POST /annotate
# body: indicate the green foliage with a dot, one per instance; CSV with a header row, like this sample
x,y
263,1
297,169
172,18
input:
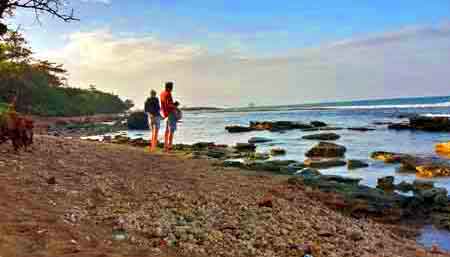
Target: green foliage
x,y
3,107
38,85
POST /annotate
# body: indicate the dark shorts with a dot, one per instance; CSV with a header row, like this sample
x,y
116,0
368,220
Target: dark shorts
x,y
171,123
154,121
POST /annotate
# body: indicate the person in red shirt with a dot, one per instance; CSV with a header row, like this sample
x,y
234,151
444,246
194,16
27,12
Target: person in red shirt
x,y
168,110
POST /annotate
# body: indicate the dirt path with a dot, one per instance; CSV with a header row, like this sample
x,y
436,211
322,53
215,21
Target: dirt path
x,y
68,198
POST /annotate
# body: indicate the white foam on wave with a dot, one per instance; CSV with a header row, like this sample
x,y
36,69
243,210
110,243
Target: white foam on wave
x,y
435,115
387,106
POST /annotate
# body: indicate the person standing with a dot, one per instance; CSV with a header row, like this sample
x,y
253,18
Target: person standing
x,y
168,110
152,108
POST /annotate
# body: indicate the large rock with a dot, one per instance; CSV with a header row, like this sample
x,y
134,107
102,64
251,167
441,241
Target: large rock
x,y
435,196
431,171
256,140
245,147
326,150
389,157
278,125
322,136
361,129
324,163
318,124
238,129
419,185
137,121
356,164
386,183
277,151
430,123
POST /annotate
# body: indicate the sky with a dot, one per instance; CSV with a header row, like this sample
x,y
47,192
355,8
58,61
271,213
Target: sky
x,y
228,53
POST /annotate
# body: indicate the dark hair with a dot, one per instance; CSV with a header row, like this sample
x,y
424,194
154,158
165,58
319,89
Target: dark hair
x,y
176,104
169,85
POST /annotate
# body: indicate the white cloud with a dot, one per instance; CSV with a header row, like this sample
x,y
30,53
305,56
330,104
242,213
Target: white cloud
x,y
412,61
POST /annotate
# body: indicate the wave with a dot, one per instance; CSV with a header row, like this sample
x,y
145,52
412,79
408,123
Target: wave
x,y
435,115
389,106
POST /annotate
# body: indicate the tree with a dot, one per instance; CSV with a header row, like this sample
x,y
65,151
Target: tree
x,y
56,8
129,104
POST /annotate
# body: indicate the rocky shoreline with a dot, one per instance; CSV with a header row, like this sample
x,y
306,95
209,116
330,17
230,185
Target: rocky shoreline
x,y
425,205
78,198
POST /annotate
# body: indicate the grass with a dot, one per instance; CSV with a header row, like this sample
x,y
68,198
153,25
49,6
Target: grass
x,y
3,107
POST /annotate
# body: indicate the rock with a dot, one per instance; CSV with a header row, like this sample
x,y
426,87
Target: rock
x,y
356,164
324,163
230,163
267,201
294,167
328,150
216,153
340,179
238,129
433,124
386,183
245,147
399,126
322,136
389,157
404,187
277,166
107,139
431,171
309,172
355,235
278,125
259,156
318,124
436,196
443,148
51,181
361,129
255,140
330,128
137,121
419,185
277,151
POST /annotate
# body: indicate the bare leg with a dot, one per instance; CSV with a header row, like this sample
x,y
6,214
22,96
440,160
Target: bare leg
x,y
154,139
166,140
170,140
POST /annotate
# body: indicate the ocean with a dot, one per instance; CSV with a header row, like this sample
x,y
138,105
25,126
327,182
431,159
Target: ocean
x,y
210,127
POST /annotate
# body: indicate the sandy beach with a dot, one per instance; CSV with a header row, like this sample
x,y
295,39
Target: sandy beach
x,y
77,198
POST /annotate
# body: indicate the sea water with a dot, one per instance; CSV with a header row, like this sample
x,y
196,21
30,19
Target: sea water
x,y
210,127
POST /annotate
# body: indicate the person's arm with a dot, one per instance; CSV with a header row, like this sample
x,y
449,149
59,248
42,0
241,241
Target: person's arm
x,y
170,104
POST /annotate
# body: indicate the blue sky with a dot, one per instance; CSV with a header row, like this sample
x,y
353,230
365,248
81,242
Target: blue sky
x,y
213,45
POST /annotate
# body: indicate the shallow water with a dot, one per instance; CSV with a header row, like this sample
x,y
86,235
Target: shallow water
x,y
209,127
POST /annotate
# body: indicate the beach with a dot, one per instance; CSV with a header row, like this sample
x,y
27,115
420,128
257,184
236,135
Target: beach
x,y
78,198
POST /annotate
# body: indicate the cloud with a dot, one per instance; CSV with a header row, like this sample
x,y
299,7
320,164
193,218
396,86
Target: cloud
x,y
409,62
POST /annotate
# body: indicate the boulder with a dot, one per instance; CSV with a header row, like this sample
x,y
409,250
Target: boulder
x,y
259,156
137,121
238,129
318,124
324,163
386,183
256,140
361,129
245,147
231,163
330,128
356,164
309,172
327,150
419,185
278,125
277,166
404,187
430,123
322,136
431,171
443,149
216,153
389,157
435,196
294,167
399,126
277,151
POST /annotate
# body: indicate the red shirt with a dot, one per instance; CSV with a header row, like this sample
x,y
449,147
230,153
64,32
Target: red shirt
x,y
166,103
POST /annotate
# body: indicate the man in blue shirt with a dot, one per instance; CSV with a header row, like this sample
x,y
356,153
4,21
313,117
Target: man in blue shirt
x,y
152,108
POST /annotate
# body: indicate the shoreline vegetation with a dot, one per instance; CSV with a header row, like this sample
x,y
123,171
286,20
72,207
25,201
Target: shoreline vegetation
x,y
85,198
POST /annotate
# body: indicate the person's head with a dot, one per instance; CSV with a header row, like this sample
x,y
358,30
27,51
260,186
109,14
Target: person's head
x,y
176,104
169,86
153,93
